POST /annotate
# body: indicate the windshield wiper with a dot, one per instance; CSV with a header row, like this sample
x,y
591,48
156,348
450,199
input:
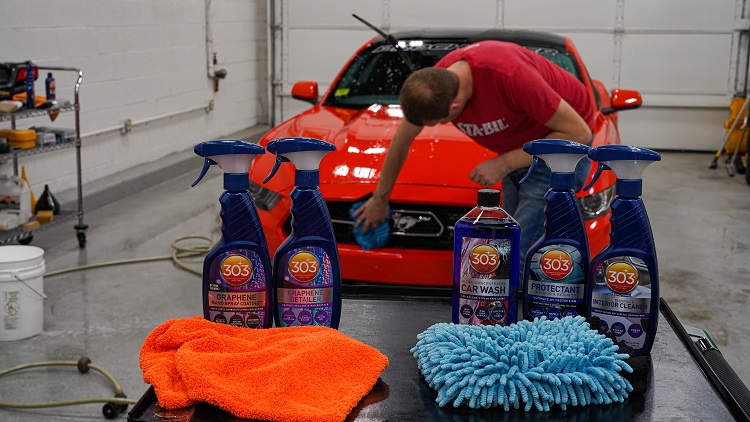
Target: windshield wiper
x,y
392,41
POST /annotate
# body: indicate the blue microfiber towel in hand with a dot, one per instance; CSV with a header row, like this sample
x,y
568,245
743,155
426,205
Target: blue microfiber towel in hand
x,y
373,238
540,363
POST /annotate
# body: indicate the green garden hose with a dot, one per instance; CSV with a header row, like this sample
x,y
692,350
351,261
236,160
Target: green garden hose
x,y
113,405
119,403
178,252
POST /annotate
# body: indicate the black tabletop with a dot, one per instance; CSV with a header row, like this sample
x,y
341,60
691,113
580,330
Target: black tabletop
x,y
674,387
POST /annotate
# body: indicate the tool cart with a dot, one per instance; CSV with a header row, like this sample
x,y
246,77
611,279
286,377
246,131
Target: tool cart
x,y
25,236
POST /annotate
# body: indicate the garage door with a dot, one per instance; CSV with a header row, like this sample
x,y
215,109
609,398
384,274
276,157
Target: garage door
x,y
684,56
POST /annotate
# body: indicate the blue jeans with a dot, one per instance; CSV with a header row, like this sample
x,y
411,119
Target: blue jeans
x,y
526,202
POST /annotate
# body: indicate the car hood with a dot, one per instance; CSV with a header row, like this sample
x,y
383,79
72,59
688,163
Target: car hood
x,y
439,156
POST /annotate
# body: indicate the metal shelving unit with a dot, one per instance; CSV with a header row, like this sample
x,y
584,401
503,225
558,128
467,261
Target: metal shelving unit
x,y
18,234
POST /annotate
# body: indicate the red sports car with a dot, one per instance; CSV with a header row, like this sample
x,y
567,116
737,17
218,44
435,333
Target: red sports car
x,y
360,113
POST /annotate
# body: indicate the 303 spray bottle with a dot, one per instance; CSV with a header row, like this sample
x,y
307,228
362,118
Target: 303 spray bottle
x,y
237,270
306,269
624,277
557,264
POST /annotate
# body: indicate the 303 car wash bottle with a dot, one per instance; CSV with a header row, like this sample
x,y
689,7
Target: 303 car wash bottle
x,y
237,270
486,254
624,277
556,266
306,269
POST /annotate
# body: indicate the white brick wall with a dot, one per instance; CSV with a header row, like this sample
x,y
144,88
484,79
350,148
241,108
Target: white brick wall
x,y
140,59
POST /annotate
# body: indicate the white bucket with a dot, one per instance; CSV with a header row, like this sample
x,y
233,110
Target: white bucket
x,y
21,291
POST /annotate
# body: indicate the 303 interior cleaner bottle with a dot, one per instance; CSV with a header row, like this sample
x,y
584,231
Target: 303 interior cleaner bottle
x,y
486,253
624,277
237,270
306,269
554,280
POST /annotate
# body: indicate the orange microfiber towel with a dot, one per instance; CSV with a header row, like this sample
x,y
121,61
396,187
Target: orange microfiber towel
x,y
280,374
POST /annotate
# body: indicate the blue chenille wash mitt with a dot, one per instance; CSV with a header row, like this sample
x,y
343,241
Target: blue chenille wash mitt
x,y
540,363
373,238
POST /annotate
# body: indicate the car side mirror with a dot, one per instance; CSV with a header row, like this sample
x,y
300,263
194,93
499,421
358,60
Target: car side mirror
x,y
623,99
306,91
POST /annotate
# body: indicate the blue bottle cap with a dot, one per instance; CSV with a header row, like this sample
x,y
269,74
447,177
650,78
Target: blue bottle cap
x,y
561,157
304,153
628,163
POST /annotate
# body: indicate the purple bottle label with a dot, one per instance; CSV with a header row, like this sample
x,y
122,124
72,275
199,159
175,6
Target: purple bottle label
x,y
237,289
305,292
556,282
484,286
622,298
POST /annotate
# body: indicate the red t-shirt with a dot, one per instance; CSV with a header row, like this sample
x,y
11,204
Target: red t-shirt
x,y
515,92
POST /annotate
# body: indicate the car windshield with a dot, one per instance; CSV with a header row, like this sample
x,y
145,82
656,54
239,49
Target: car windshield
x,y
375,76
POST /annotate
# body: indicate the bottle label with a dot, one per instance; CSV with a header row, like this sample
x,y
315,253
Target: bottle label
x,y
484,283
237,289
305,287
556,282
622,298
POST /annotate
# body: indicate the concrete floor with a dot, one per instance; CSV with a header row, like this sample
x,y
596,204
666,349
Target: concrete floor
x,y
700,218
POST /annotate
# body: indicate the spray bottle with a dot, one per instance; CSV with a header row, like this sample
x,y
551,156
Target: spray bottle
x,y
486,254
237,270
624,277
554,280
30,78
306,269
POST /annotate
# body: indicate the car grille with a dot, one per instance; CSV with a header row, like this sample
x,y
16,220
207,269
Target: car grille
x,y
413,226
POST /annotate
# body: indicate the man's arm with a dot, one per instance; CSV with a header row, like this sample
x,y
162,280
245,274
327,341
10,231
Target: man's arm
x,y
565,123
374,211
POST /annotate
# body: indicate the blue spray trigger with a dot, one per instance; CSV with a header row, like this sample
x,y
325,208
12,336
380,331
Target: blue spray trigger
x,y
598,173
208,163
279,159
531,170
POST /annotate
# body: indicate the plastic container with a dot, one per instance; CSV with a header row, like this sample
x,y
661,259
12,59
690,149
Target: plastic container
x,y
306,269
486,255
49,87
624,277
20,138
554,281
21,291
237,270
15,202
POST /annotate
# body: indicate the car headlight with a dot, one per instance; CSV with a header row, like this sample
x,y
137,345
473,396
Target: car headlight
x,y
264,199
594,205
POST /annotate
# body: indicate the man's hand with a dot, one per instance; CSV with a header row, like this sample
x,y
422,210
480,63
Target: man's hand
x,y
372,213
489,172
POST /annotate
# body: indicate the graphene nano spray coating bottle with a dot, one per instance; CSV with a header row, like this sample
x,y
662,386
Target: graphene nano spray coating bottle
x,y
237,270
486,253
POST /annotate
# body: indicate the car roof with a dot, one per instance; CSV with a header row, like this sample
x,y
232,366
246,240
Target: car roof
x,y
523,37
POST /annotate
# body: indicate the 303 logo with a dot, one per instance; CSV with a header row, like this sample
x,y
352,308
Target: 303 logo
x,y
556,264
621,277
484,259
304,266
236,270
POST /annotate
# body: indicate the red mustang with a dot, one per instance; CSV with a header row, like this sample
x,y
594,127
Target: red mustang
x,y
360,113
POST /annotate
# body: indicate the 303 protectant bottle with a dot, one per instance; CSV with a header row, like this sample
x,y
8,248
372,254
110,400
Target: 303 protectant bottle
x,y
306,269
486,254
554,282
624,277
237,270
